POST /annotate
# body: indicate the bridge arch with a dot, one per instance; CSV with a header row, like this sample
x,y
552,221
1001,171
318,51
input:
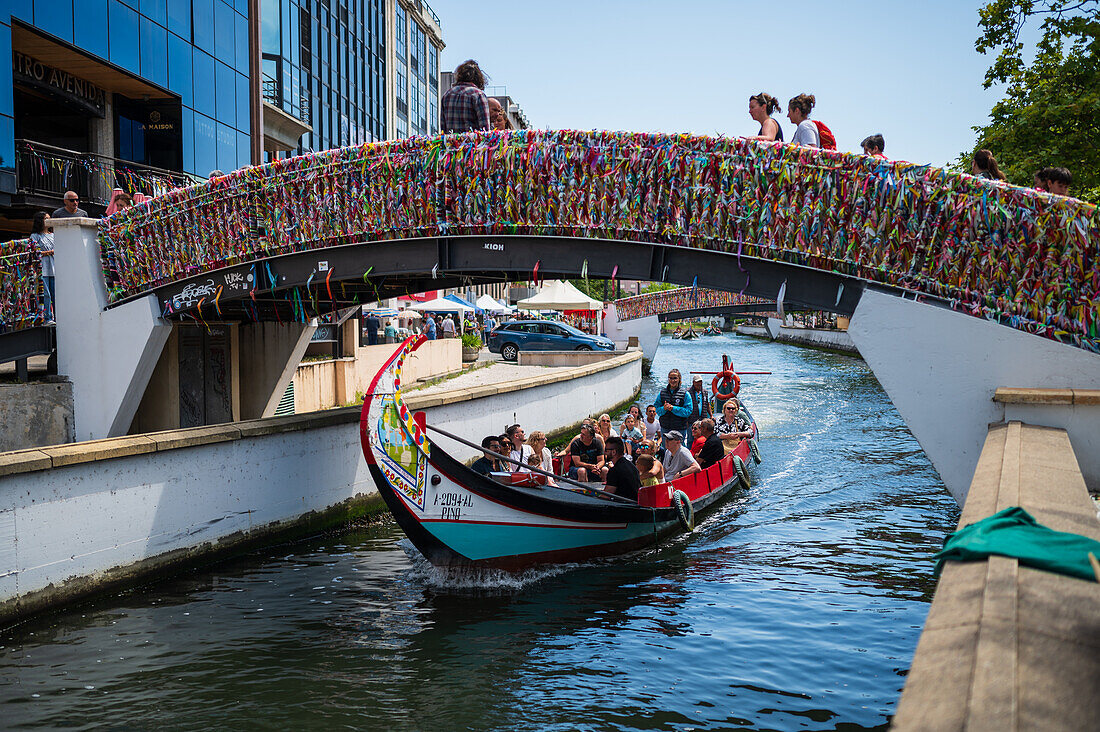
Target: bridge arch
x,y
730,214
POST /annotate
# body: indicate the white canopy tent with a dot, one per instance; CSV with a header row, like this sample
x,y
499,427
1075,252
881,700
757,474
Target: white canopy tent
x,y
559,295
443,305
490,305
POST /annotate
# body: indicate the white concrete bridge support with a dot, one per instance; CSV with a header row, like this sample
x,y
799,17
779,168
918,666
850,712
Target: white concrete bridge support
x,y
941,368
108,355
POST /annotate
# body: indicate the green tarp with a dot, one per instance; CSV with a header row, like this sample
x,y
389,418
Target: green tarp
x,y
1015,533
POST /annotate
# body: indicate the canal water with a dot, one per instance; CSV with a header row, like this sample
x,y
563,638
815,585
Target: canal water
x,y
798,605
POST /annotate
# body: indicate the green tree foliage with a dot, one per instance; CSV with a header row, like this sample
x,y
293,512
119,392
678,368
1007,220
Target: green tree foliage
x,y
595,289
1050,114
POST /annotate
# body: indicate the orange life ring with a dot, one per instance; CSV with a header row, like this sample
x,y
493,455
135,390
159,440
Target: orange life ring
x,y
726,376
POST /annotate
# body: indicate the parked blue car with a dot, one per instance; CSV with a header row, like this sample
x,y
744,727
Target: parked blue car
x,y
541,335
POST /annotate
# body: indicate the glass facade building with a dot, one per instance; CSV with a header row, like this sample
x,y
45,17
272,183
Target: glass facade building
x,y
324,62
97,85
416,45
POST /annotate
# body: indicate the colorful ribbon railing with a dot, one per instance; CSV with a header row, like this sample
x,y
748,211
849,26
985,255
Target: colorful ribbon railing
x,y
20,285
990,249
681,299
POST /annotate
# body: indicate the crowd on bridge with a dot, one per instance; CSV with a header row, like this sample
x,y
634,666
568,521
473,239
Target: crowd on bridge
x,y
683,431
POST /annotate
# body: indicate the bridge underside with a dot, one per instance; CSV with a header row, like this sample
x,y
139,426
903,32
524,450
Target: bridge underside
x,y
761,309
298,286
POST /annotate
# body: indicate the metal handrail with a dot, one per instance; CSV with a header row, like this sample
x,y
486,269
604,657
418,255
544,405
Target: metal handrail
x,y
50,170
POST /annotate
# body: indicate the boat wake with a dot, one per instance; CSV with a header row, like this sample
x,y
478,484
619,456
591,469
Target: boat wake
x,y
482,580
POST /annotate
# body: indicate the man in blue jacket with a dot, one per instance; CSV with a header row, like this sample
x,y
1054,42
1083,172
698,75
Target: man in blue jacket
x,y
673,404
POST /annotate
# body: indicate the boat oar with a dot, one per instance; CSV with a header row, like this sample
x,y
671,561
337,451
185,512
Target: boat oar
x,y
588,491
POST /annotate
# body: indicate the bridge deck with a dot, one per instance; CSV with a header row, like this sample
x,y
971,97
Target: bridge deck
x,y
1007,647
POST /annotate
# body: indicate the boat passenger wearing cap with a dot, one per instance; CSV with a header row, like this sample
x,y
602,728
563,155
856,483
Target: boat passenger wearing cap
x,y
700,401
679,461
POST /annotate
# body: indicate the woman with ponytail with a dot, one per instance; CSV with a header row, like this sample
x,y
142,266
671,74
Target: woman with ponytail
x,y
798,112
984,165
761,107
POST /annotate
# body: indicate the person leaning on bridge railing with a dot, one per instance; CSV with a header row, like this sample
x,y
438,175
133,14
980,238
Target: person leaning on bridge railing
x,y
43,239
465,106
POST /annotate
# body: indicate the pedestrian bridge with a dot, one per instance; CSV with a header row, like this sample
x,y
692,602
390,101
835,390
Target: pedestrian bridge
x,y
920,257
690,302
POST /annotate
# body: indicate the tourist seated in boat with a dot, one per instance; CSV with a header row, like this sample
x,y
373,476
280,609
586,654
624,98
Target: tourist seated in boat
x,y
680,461
697,439
517,449
673,403
651,425
587,454
488,463
712,450
604,428
622,477
657,452
540,454
732,426
635,411
647,471
632,435
566,452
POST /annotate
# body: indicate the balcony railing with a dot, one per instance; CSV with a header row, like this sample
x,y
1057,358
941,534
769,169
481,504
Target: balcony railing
x,y
273,94
50,171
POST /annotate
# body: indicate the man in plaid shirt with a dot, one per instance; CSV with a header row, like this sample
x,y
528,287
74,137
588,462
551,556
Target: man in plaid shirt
x,y
465,106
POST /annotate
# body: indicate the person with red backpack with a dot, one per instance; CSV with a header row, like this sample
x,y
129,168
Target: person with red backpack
x,y
809,132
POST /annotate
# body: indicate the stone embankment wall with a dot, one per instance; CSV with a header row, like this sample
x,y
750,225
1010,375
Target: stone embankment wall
x,y
835,340
78,518
39,413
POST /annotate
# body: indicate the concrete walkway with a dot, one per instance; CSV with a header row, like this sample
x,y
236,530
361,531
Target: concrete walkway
x,y
1007,647
497,372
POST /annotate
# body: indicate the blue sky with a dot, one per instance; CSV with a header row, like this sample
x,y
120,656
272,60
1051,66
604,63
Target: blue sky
x,y
905,69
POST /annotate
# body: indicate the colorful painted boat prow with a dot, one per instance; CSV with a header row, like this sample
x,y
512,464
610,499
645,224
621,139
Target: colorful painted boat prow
x,y
457,517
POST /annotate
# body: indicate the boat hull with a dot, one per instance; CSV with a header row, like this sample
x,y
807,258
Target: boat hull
x,y
457,517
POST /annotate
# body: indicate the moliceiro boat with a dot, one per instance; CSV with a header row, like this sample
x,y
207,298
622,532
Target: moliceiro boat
x,y
457,517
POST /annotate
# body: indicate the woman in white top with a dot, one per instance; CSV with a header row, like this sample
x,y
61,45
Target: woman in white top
x,y
798,112
537,443
604,428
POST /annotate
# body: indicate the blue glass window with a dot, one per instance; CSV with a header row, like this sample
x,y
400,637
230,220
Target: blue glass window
x,y
225,28
179,68
55,16
203,83
242,7
206,145
188,140
92,37
227,148
203,14
226,106
7,142
124,36
243,115
244,150
270,33
179,18
154,52
241,43
5,79
155,10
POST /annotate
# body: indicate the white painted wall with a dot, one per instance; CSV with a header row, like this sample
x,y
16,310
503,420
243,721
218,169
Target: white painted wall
x,y
73,523
108,355
81,520
648,331
941,368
